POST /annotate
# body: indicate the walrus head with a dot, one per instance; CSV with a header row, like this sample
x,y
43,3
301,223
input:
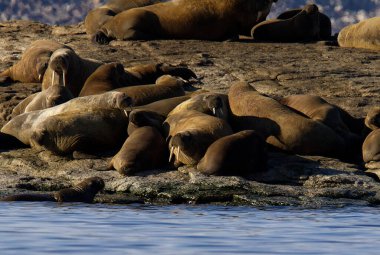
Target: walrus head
x,y
59,63
41,66
141,118
122,101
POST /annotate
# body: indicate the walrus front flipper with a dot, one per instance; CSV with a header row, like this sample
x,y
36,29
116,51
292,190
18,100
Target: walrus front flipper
x,y
84,192
30,198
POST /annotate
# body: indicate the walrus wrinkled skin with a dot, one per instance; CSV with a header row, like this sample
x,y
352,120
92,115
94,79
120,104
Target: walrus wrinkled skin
x,y
33,63
365,34
112,76
144,149
69,69
280,126
94,131
304,26
190,133
242,153
24,124
371,145
186,19
50,97
98,16
84,192
166,86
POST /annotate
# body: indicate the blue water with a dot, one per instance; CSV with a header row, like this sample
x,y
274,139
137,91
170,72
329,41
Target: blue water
x,y
48,228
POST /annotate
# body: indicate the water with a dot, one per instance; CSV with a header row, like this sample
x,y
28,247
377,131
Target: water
x,y
48,228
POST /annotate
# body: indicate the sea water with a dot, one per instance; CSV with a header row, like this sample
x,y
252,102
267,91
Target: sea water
x,y
50,228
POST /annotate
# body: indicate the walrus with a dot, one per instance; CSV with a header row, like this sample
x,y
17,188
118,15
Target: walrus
x,y
95,131
144,149
23,125
186,19
365,34
190,133
166,86
280,126
304,26
242,153
52,96
98,16
33,63
8,142
371,145
69,69
113,75
84,192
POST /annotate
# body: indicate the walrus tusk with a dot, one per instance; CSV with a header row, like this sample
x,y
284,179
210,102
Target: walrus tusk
x,y
213,110
52,78
39,77
126,114
171,153
64,79
178,151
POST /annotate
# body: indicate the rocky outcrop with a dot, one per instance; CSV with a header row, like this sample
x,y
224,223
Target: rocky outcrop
x,y
347,77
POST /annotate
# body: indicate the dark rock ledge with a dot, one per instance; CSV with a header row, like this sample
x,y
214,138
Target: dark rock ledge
x,y
347,77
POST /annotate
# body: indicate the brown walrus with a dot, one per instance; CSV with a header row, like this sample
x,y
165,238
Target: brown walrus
x,y
304,26
371,145
242,153
282,127
186,19
68,69
144,149
98,16
112,76
84,192
50,97
33,63
23,125
166,86
93,131
365,34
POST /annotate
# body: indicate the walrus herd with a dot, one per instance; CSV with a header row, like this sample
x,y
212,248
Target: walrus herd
x,y
147,118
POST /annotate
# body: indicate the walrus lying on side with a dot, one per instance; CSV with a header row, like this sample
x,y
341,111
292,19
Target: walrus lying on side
x,y
242,153
113,76
303,26
186,19
365,34
24,124
84,192
33,63
50,97
98,16
93,131
282,127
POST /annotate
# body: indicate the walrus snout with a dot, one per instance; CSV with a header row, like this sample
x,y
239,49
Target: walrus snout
x,y
311,8
123,101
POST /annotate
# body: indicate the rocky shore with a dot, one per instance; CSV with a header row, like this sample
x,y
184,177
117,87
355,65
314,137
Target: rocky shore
x,y
349,78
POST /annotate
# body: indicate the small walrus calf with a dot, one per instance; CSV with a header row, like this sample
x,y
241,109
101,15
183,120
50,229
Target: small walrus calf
x,y
242,153
186,19
84,192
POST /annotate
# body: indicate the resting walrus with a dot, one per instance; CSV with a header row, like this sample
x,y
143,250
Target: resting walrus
x,y
33,63
282,127
365,34
186,19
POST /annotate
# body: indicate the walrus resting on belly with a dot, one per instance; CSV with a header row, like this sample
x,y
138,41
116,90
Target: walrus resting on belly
x,y
365,34
242,153
33,63
186,19
282,127
84,191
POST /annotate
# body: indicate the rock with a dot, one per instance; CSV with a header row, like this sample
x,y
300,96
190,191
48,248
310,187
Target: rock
x,y
347,77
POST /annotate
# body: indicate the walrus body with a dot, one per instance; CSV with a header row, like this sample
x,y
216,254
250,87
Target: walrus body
x,y
24,124
50,97
186,19
282,127
242,153
191,132
84,192
166,87
304,26
68,69
365,34
92,131
33,63
98,16
144,149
